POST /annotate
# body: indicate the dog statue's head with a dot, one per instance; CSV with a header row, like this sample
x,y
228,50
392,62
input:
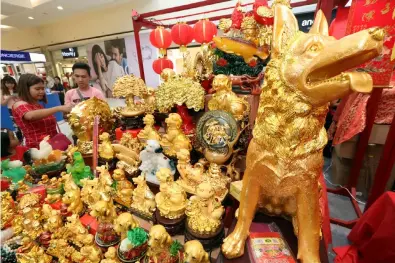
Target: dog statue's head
x,y
194,252
159,239
313,63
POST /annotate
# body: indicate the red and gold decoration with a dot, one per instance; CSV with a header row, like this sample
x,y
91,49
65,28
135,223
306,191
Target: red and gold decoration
x,y
160,38
204,31
182,35
161,63
365,14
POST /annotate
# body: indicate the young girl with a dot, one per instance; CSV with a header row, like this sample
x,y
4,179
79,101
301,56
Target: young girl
x,y
34,120
8,98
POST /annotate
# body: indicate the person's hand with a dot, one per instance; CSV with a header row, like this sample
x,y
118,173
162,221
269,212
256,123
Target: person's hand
x,y
65,108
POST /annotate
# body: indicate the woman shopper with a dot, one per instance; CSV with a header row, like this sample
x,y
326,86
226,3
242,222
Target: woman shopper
x,y
34,120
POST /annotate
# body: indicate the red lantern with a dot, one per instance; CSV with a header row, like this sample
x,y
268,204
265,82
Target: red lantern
x,y
161,63
160,38
182,34
204,31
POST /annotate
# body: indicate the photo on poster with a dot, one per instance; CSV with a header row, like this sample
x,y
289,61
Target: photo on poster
x,y
108,61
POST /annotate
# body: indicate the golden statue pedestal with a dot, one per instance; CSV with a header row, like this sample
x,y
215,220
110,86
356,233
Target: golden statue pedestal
x,y
173,226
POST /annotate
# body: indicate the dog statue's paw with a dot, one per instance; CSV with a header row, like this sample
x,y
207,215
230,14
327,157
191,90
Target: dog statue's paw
x,y
233,246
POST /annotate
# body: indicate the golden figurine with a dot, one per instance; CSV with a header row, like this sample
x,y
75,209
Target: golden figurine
x,y
284,159
129,158
81,120
104,211
54,189
179,90
130,142
204,211
105,148
225,99
35,255
52,217
123,188
249,28
31,210
130,86
143,198
61,249
191,175
89,193
73,231
90,252
149,132
159,242
195,253
72,198
111,256
123,223
7,209
174,139
172,199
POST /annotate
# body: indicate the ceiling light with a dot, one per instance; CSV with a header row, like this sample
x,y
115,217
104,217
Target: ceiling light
x,y
60,7
4,26
30,17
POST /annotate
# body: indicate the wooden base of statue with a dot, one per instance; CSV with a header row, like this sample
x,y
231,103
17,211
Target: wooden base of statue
x,y
173,226
209,241
88,159
138,213
135,122
112,163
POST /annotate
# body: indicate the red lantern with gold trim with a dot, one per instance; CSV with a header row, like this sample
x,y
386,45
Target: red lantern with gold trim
x,y
160,64
160,38
204,31
182,34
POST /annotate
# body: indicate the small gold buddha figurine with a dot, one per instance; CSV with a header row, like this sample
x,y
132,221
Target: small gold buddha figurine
x,y
111,256
172,199
105,148
204,211
225,99
191,175
149,132
143,198
174,139
123,223
123,188
159,242
195,253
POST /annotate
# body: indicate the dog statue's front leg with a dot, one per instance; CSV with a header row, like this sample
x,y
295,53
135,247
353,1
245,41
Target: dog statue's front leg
x,y
308,221
233,245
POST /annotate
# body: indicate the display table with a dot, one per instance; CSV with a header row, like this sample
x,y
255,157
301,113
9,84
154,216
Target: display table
x,y
259,225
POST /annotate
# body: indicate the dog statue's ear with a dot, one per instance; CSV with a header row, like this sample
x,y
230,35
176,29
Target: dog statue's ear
x,y
285,27
320,25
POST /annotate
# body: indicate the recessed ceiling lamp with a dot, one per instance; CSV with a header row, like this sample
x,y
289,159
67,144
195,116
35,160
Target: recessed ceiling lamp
x,y
60,7
30,17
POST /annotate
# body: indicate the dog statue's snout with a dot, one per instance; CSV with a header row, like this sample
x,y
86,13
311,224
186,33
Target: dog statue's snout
x,y
377,33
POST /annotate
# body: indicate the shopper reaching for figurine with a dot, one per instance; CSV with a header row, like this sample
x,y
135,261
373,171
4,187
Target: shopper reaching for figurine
x,y
34,120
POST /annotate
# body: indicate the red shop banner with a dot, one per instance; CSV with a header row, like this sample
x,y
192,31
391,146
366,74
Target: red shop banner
x,y
365,14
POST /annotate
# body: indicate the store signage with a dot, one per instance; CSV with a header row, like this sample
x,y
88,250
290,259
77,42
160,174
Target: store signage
x,y
306,20
14,56
71,52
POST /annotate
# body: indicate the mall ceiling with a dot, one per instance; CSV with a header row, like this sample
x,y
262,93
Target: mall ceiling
x,y
31,13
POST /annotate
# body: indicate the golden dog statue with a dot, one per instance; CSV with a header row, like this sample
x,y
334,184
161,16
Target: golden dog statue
x,y
284,159
194,252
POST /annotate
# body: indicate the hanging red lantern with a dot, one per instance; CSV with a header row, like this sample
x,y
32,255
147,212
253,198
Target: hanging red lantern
x,y
160,64
182,34
204,31
160,38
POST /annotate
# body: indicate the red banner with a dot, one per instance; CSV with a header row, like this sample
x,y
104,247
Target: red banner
x,y
365,14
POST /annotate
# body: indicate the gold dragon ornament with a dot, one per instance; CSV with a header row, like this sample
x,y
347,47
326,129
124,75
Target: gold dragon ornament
x,y
284,159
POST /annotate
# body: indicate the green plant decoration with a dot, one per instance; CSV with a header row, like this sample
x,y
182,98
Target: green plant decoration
x,y
175,247
137,236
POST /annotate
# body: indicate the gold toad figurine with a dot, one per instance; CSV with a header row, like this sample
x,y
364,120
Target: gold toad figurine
x,y
143,199
174,139
105,148
123,223
204,211
172,199
225,99
149,132
124,188
191,175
